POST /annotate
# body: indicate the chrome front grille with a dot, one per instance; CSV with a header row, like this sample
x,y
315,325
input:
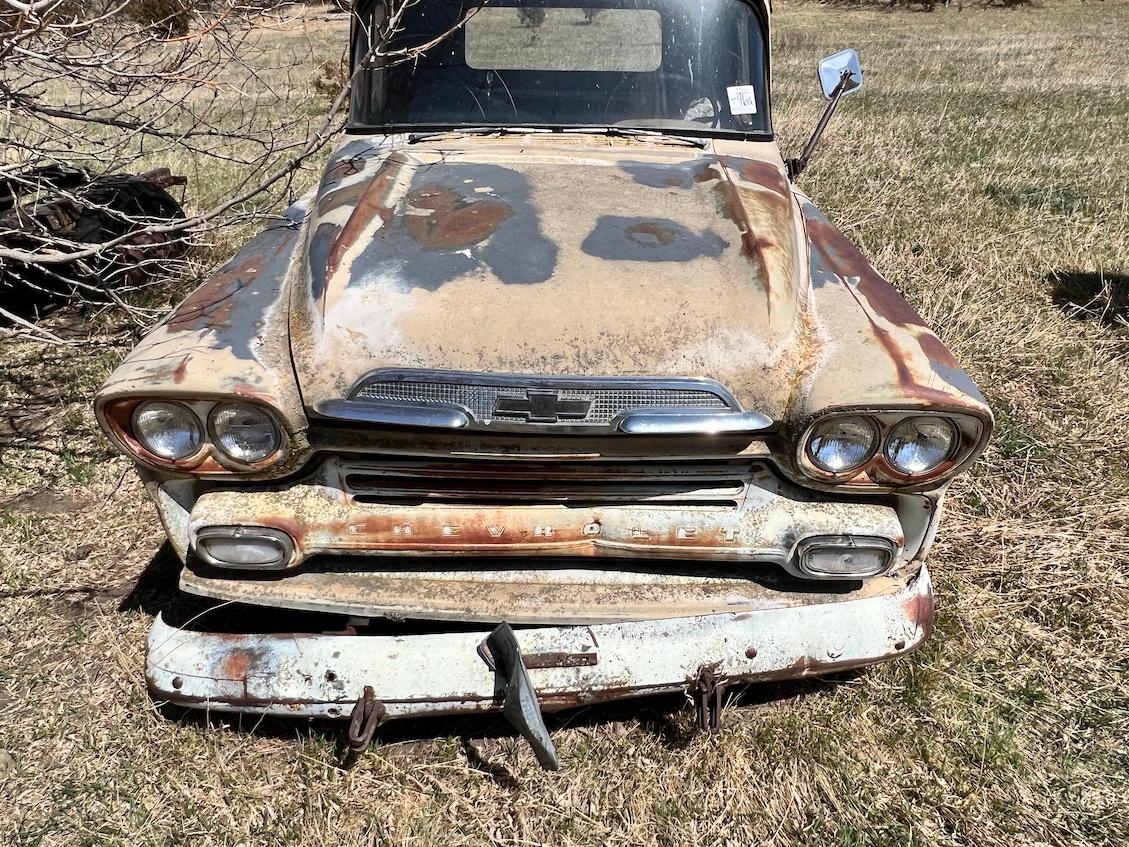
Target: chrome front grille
x,y
541,400
481,400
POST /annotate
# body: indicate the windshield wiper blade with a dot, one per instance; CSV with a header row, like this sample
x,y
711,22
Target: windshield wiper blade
x,y
416,137
615,131
631,132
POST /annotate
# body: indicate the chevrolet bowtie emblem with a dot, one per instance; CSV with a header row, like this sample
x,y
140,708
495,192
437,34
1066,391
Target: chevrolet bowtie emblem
x,y
542,406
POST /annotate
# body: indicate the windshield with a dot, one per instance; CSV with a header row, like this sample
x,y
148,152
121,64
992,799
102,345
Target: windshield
x,y
649,64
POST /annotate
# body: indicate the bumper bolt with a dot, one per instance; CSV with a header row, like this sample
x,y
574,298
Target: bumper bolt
x,y
177,683
751,653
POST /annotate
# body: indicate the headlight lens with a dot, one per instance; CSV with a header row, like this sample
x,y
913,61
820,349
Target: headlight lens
x,y
168,430
837,445
244,432
920,444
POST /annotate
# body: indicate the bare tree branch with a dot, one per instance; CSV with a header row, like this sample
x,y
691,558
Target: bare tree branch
x,y
94,87
33,8
35,331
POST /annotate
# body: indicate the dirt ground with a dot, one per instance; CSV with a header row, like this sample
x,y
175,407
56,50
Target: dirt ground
x,y
984,170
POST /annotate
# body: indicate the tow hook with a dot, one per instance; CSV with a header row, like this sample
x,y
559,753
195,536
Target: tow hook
x,y
707,693
519,700
367,715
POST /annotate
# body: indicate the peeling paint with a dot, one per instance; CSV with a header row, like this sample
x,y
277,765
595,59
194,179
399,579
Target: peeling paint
x,y
435,673
632,240
907,363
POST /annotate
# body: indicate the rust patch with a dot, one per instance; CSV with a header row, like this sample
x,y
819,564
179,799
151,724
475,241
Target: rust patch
x,y
180,371
921,611
373,203
845,260
237,664
455,222
560,660
729,199
707,173
245,390
937,352
537,661
836,259
208,465
346,195
764,174
907,380
886,301
295,529
211,304
344,168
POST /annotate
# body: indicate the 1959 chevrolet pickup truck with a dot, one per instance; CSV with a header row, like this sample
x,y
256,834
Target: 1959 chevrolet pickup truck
x,y
556,390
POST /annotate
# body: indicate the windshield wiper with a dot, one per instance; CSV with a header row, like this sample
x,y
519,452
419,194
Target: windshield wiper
x,y
630,132
614,131
416,137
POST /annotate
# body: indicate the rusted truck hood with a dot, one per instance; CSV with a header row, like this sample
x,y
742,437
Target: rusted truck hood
x,y
567,255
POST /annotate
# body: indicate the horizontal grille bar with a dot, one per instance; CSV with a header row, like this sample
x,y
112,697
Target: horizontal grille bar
x,y
378,489
539,483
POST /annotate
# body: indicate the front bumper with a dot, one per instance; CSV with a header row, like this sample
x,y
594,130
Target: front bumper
x,y
444,673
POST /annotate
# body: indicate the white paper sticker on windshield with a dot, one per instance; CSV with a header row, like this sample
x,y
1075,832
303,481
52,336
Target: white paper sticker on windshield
x,y
742,100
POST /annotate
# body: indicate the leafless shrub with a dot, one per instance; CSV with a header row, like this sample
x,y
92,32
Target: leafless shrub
x,y
123,86
171,16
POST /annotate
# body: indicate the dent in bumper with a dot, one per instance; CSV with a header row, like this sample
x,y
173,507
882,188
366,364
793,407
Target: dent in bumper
x,y
442,673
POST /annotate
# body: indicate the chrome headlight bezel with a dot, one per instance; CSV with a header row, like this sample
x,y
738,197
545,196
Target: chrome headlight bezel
x,y
878,473
118,417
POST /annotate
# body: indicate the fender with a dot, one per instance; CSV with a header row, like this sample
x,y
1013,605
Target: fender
x,y
876,351
229,337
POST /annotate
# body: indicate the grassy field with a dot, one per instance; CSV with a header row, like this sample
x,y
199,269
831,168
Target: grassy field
x,y
984,169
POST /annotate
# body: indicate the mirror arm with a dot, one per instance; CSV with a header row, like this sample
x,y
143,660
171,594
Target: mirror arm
x,y
797,166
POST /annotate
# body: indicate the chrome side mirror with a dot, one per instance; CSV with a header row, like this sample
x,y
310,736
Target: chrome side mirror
x,y
839,74
843,67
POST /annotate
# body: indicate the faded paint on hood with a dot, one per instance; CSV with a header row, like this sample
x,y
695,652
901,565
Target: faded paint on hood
x,y
562,255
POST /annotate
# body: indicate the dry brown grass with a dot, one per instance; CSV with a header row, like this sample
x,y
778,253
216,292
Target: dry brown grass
x,y
984,169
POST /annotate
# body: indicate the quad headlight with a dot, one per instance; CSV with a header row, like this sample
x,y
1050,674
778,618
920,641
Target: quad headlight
x,y
888,447
246,433
838,445
167,430
198,436
920,444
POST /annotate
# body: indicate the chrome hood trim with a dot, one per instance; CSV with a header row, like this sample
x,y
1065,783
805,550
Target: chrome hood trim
x,y
529,404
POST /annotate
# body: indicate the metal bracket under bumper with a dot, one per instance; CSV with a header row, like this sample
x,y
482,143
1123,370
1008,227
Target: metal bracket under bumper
x,y
444,673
